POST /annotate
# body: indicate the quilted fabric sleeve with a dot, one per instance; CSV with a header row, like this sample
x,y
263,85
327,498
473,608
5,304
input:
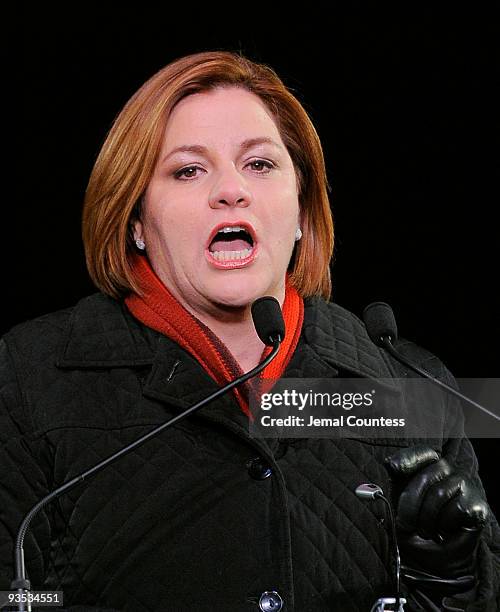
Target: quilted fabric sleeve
x,y
459,452
24,480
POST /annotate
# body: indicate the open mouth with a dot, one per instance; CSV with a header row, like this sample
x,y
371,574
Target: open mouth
x,y
232,246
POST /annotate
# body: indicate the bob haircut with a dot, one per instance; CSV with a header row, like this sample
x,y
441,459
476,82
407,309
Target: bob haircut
x,y
129,155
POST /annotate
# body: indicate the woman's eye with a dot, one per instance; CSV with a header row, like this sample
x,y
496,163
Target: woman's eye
x,y
187,172
260,163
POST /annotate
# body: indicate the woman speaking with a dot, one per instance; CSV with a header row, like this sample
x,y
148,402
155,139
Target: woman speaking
x,y
210,192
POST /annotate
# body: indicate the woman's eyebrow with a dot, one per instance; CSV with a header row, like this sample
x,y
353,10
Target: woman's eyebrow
x,y
244,146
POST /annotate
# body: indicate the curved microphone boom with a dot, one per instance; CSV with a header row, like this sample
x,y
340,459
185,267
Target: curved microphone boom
x,y
381,327
270,327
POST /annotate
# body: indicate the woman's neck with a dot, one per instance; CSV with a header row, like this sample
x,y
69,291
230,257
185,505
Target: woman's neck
x,y
233,326
239,336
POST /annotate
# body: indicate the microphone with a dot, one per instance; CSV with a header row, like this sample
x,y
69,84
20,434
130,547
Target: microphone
x,y
380,322
372,492
270,327
268,319
381,327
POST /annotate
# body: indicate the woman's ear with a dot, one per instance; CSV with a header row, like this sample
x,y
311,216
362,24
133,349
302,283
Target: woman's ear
x,y
135,223
137,230
299,223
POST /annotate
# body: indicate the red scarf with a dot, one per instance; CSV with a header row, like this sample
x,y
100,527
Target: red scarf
x,y
159,310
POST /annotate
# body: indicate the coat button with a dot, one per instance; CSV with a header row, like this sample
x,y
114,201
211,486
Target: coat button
x,y
270,601
258,469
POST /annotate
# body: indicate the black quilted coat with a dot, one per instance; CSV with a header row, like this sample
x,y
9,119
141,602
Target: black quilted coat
x,y
202,517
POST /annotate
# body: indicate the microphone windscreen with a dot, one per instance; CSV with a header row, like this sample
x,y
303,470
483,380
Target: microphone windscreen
x,y
268,319
379,320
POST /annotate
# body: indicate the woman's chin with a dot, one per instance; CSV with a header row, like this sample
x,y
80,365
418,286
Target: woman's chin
x,y
235,292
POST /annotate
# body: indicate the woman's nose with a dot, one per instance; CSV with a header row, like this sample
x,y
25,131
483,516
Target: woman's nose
x,y
230,190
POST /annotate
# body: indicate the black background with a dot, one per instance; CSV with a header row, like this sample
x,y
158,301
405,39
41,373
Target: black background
x,y
405,106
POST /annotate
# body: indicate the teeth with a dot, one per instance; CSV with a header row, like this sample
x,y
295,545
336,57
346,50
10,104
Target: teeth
x,y
234,228
231,255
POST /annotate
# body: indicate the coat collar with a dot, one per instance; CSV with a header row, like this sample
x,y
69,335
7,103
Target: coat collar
x,y
102,333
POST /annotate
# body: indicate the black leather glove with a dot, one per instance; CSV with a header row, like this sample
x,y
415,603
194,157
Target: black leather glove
x,y
440,516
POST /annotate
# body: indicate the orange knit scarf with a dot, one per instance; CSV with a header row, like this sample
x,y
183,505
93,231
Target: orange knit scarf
x,y
159,310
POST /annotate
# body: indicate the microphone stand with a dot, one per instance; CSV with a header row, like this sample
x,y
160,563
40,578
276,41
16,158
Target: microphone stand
x,y
370,492
20,583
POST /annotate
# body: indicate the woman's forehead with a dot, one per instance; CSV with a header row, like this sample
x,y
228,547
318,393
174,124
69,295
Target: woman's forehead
x,y
221,113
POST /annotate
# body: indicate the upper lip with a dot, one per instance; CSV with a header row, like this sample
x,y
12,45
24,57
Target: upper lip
x,y
243,224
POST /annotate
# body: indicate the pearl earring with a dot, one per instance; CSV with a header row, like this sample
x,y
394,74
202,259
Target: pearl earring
x,y
140,244
298,234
